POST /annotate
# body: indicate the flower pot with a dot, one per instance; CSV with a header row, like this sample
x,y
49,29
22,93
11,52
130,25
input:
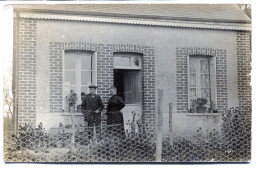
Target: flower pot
x,y
215,111
192,110
201,109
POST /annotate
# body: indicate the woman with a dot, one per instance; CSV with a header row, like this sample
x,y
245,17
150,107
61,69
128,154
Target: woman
x,y
115,118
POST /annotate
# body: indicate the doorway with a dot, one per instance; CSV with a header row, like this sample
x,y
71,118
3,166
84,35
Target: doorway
x,y
129,86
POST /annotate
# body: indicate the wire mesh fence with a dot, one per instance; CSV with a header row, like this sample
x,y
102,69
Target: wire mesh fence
x,y
86,144
37,146
231,144
111,144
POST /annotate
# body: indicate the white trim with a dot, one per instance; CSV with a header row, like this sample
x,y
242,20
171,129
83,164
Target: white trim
x,y
134,21
188,81
63,80
125,67
78,76
213,81
69,114
94,68
136,104
203,114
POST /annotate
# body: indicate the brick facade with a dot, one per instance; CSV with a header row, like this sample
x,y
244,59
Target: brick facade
x,y
105,78
182,76
27,72
243,70
55,76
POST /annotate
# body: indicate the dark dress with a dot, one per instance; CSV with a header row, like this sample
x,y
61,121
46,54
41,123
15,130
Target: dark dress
x,y
115,120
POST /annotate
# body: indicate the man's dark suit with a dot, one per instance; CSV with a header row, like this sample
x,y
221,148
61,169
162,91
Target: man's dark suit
x,y
91,103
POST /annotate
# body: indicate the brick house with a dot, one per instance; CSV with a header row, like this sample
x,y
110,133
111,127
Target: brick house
x,y
188,51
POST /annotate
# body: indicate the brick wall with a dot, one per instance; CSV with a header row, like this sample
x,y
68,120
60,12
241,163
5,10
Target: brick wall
x,y
27,72
105,78
221,73
182,76
244,69
55,77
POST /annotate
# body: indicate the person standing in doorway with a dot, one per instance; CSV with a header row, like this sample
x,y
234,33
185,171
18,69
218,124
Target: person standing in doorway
x,y
92,106
115,120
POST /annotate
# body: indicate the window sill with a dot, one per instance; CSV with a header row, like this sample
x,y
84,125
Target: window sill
x,y
135,104
75,114
127,67
203,114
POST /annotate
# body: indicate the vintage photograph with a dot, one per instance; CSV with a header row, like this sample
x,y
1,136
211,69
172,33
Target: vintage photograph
x,y
102,83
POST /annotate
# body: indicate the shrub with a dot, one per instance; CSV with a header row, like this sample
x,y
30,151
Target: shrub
x,y
236,131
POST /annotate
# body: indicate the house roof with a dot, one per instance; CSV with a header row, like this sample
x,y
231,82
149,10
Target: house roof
x,y
215,13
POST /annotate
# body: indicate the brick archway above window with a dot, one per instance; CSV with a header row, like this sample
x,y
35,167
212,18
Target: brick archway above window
x,y
86,46
201,51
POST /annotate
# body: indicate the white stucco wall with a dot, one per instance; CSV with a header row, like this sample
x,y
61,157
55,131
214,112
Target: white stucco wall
x,y
164,39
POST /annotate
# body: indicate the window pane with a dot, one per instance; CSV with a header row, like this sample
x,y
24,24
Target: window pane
x,y
85,62
66,92
205,80
192,65
70,61
193,80
193,93
205,93
70,77
84,89
122,61
135,62
85,77
204,66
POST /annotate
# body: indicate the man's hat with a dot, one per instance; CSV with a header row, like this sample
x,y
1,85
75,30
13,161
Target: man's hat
x,y
93,86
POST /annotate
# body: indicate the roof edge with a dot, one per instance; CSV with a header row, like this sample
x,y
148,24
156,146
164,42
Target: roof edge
x,y
103,14
138,21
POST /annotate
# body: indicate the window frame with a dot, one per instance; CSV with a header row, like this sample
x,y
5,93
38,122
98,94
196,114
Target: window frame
x,y
93,74
127,55
213,79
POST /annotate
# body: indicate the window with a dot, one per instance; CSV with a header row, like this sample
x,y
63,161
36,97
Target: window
x,y
79,72
202,81
127,61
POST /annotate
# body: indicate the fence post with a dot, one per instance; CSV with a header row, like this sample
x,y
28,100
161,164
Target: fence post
x,y
158,155
170,123
73,128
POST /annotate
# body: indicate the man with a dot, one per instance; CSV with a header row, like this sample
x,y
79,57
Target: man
x,y
92,106
115,120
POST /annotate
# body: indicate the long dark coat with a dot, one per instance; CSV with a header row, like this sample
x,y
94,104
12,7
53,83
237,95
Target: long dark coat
x,y
91,103
115,104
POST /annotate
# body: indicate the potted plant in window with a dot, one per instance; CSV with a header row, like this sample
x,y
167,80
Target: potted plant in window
x,y
193,106
199,105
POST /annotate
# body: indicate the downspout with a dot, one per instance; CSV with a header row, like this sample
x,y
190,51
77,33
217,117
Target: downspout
x,y
16,63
